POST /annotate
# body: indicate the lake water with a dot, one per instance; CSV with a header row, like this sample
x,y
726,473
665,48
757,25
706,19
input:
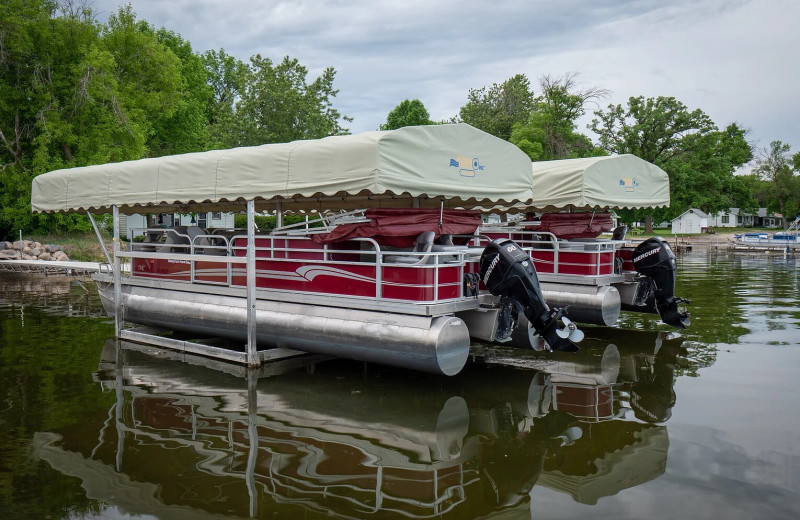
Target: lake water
x,y
642,423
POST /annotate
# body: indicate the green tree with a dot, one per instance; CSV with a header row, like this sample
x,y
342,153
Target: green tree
x,y
550,131
186,129
148,75
50,70
699,158
497,109
74,92
278,105
407,113
777,168
227,77
703,174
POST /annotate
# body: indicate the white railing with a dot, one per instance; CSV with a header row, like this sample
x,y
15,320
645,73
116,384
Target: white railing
x,y
541,244
183,248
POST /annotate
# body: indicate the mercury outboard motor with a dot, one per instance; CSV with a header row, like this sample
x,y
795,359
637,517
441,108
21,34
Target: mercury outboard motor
x,y
654,258
507,271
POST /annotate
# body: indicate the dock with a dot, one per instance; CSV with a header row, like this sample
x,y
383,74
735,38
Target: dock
x,y
785,248
51,267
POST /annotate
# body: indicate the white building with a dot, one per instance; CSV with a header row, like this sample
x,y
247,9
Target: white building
x,y
768,220
734,217
730,218
690,221
133,225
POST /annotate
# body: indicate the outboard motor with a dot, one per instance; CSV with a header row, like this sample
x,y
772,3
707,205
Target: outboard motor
x,y
654,258
506,270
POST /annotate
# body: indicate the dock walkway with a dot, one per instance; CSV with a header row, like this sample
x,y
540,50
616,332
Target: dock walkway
x,y
48,267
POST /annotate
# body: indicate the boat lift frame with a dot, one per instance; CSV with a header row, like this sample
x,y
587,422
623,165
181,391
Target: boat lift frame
x,y
251,357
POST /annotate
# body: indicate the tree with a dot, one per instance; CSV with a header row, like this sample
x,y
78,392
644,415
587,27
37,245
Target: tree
x,y
276,103
497,109
186,129
227,77
549,133
72,93
407,113
699,158
775,166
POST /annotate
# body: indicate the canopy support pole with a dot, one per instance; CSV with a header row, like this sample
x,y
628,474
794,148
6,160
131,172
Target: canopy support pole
x,y
117,275
252,352
99,238
252,433
278,215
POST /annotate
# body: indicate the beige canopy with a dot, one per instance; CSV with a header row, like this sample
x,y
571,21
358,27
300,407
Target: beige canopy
x,y
617,181
412,166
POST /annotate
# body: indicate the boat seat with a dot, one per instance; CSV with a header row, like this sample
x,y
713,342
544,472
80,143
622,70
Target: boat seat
x,y
174,239
619,232
202,245
423,244
446,246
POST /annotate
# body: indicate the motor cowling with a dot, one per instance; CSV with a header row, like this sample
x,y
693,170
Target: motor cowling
x,y
508,271
654,259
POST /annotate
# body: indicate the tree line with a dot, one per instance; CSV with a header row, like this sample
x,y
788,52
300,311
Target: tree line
x,y
76,92
700,158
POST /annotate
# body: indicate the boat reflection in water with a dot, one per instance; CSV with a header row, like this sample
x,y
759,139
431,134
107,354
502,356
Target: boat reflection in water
x,y
319,437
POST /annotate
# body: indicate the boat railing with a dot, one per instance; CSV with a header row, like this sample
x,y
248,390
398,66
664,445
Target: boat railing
x,y
552,255
323,223
398,275
358,267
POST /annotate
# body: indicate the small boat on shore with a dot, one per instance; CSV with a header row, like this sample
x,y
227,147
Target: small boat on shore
x,y
779,240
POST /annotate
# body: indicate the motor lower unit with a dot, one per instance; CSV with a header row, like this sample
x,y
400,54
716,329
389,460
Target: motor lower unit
x,y
654,259
507,271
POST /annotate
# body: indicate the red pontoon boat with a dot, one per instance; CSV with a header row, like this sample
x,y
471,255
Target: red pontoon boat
x,y
596,276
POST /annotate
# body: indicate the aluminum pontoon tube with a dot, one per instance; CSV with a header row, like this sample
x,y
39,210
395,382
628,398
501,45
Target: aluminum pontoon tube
x,y
599,305
438,344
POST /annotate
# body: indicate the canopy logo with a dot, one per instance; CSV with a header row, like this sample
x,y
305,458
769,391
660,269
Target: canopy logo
x,y
466,166
629,183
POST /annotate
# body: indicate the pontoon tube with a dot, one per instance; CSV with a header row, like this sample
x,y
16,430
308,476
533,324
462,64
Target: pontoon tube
x,y
438,344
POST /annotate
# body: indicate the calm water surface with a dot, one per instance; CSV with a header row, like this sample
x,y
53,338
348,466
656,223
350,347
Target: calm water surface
x,y
643,423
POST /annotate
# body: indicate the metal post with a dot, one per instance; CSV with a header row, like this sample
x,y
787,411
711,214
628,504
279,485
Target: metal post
x,y
278,215
99,238
118,391
252,433
117,276
252,353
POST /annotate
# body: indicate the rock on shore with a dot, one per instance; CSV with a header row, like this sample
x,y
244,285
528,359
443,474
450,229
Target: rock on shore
x,y
31,250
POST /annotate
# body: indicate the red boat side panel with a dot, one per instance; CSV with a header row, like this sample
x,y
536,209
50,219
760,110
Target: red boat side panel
x,y
353,280
212,272
626,253
586,263
162,268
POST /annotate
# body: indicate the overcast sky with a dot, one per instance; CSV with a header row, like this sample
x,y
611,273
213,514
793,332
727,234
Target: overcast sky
x,y
737,60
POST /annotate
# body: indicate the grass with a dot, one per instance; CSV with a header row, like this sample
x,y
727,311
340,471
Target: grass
x,y
80,247
718,230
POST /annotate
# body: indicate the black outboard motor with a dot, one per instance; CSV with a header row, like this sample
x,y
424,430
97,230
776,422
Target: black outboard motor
x,y
654,258
506,270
